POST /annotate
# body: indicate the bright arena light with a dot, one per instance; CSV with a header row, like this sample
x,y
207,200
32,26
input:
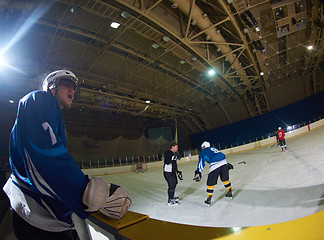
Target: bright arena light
x,y
5,63
211,72
28,23
289,128
114,24
236,229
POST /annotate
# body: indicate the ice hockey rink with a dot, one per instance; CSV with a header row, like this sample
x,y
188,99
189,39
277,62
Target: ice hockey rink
x,y
272,187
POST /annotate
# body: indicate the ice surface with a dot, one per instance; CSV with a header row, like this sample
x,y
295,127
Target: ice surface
x,y
272,187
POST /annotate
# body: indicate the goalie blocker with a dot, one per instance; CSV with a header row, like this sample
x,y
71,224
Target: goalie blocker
x,y
110,199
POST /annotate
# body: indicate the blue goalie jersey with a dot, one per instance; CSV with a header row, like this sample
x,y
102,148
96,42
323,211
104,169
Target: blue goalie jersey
x,y
46,184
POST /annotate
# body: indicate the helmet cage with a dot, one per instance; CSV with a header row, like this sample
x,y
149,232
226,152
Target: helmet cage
x,y
57,81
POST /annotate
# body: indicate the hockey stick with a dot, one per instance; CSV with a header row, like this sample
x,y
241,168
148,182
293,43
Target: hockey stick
x,y
272,145
230,166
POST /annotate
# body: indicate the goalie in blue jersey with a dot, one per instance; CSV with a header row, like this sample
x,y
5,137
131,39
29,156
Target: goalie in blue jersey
x,y
46,185
218,166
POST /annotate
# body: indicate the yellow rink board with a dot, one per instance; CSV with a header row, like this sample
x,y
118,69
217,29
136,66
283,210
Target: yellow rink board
x,y
140,227
128,219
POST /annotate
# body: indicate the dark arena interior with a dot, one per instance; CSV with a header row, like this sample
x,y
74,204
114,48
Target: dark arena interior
x,y
154,72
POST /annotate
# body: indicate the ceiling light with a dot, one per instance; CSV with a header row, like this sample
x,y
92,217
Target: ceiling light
x,y
261,73
182,61
310,47
125,14
155,45
11,101
211,72
114,24
257,29
194,59
74,9
166,38
147,101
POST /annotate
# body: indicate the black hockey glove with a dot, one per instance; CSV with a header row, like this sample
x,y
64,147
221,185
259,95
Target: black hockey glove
x,y
178,156
179,173
197,176
230,166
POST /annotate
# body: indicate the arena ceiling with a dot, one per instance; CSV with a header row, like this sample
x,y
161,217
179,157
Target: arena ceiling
x,y
154,69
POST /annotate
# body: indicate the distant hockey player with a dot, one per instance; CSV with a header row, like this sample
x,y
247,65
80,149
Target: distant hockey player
x,y
139,167
170,172
281,139
218,166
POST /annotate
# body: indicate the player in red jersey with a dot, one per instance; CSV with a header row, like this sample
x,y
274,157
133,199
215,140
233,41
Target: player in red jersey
x,y
281,139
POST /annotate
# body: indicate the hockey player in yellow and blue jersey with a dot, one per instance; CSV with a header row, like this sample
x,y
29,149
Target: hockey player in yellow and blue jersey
x,y
218,166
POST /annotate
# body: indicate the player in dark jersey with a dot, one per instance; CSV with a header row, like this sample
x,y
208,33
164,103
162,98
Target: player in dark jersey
x,y
170,172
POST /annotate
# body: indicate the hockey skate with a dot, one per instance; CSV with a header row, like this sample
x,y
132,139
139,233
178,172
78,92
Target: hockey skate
x,y
229,194
176,199
208,201
172,202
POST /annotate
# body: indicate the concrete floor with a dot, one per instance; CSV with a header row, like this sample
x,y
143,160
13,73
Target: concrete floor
x,y
272,187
